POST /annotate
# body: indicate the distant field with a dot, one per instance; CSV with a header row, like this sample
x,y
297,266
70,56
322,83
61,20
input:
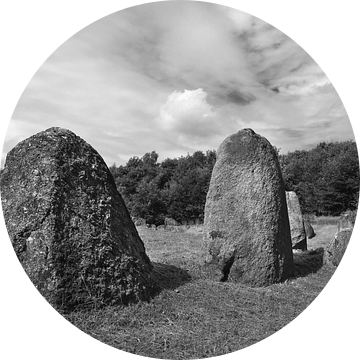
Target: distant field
x,y
324,233
196,317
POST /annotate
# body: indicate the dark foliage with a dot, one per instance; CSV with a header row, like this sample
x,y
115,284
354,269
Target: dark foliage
x,y
174,188
325,178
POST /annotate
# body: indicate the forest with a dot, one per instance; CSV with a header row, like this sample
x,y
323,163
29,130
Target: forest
x,y
326,179
174,188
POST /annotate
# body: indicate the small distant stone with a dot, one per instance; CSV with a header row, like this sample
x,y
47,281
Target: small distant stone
x,y
140,222
170,222
309,230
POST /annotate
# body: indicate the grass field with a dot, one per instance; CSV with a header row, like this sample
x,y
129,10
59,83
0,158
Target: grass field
x,y
196,317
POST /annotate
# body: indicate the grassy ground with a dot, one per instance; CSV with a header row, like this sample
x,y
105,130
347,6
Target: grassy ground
x,y
196,317
323,231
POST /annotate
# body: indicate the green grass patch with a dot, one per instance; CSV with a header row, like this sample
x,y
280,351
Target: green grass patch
x,y
196,317
324,220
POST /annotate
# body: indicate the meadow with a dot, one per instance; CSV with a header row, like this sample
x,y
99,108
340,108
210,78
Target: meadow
x,y
194,316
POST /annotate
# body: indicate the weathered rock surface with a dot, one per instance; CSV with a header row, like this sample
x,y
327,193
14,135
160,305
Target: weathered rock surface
x,y
246,226
69,225
347,220
297,229
336,249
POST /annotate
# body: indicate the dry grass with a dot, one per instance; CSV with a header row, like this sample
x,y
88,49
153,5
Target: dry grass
x,y
325,230
195,317
324,220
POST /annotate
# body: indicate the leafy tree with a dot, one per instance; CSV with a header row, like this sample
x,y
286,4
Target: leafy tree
x,y
148,203
340,178
189,186
174,188
325,178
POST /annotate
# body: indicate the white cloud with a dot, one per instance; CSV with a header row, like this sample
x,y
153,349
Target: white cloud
x,y
187,111
191,122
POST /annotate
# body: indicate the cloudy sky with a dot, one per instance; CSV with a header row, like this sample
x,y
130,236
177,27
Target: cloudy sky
x,y
176,77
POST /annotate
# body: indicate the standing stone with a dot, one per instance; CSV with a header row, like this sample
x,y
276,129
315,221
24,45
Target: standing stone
x,y
338,245
140,222
246,226
309,230
297,228
69,225
170,222
347,220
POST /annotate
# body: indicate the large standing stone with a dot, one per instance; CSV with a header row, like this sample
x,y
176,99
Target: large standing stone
x,y
297,228
69,225
246,226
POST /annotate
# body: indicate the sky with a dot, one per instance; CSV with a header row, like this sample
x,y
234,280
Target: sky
x,y
177,77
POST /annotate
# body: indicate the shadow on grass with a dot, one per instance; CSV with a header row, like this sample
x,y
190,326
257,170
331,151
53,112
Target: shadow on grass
x,y
308,262
169,276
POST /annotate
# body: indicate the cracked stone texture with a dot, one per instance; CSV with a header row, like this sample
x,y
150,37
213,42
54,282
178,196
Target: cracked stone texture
x,y
297,227
246,226
69,226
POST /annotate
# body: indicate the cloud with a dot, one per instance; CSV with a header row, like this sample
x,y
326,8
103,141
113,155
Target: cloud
x,y
120,84
188,117
277,61
188,46
85,87
187,112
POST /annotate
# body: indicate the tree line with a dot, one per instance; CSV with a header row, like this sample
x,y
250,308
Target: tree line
x,y
174,188
326,179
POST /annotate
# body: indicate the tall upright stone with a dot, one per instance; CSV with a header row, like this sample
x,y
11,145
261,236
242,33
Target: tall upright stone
x,y
246,226
69,225
297,227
